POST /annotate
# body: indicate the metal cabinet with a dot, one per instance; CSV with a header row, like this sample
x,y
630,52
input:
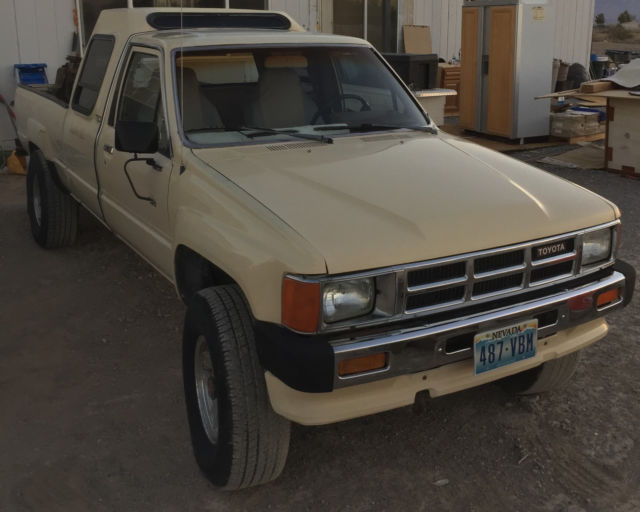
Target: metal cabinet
x,y
507,60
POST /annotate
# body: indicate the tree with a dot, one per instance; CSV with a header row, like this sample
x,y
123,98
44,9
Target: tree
x,y
625,17
600,21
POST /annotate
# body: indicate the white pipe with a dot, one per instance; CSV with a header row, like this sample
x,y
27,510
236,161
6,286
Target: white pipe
x,y
226,4
130,4
80,29
365,15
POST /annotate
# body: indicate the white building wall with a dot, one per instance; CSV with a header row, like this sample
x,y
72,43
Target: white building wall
x,y
444,17
574,25
31,31
299,10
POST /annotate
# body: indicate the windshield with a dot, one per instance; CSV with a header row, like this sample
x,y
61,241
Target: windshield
x,y
237,96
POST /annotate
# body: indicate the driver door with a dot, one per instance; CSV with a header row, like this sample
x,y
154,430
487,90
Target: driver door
x,y
143,224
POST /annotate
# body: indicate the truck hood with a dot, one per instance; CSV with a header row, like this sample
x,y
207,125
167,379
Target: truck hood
x,y
373,201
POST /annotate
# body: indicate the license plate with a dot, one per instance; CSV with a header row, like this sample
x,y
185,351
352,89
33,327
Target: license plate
x,y
507,345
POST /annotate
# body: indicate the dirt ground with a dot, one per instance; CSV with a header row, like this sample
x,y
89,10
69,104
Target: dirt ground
x,y
92,415
601,47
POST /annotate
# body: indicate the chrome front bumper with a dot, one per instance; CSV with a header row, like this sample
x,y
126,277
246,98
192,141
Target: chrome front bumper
x,y
418,349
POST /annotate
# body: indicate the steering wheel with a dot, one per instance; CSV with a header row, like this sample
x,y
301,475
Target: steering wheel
x,y
364,105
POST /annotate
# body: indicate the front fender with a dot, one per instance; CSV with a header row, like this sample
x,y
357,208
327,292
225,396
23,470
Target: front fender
x,y
237,234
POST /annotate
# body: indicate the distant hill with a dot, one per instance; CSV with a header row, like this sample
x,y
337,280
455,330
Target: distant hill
x,y
612,9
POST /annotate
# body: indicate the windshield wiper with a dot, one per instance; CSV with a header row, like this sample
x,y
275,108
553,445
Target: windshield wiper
x,y
370,127
261,132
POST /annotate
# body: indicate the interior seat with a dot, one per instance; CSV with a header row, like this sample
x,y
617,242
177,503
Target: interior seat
x,y
281,100
199,112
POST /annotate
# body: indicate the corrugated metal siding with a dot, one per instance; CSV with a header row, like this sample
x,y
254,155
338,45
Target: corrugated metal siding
x,y
574,22
445,19
574,25
299,10
32,31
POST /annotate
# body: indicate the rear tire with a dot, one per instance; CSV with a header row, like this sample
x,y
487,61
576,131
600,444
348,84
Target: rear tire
x,y
548,376
238,440
53,213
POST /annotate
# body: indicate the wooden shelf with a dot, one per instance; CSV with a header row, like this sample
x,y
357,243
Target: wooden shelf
x,y
583,138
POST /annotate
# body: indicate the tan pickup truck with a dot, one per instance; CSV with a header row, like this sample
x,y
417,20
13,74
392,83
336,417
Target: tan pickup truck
x,y
337,254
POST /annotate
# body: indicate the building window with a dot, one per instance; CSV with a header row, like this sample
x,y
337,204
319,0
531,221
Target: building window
x,y
91,9
233,4
374,20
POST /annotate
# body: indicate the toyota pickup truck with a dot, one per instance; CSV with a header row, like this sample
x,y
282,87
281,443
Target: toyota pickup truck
x,y
338,255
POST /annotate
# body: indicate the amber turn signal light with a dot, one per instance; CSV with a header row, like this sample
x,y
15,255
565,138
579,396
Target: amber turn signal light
x,y
362,364
608,297
300,305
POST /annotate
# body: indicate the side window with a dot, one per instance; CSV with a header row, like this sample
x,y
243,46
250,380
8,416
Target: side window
x,y
141,96
92,74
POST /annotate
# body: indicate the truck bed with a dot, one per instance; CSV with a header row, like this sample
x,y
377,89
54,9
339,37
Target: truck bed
x,y
40,118
49,91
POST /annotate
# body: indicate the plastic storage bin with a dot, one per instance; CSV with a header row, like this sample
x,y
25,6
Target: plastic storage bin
x,y
31,74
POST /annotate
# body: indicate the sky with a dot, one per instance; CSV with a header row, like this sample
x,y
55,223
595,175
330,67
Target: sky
x,y
612,8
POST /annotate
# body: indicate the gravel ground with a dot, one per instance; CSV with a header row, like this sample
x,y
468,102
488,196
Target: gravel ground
x,y
92,415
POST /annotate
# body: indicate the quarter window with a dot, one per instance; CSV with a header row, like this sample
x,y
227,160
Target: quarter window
x,y
92,75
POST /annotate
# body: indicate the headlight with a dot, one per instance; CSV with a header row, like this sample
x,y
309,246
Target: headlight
x,y
596,246
352,298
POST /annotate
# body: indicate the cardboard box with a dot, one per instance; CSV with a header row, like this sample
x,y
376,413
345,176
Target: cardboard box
x,y
575,124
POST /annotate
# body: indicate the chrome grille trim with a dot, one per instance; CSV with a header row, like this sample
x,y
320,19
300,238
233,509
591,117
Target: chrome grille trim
x,y
528,269
437,285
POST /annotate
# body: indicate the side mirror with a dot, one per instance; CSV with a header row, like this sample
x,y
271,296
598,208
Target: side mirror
x,y
136,137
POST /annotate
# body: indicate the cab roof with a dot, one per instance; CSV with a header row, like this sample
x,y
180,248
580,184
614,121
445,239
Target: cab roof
x,y
233,37
139,19
208,27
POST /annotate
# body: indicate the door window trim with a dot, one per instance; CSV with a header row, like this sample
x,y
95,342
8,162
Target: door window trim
x,y
116,92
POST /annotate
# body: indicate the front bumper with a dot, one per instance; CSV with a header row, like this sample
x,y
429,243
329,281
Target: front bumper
x,y
374,397
432,347
309,364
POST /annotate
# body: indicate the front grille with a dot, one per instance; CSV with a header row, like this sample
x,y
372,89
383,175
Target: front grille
x,y
495,285
445,296
505,260
544,273
487,274
436,274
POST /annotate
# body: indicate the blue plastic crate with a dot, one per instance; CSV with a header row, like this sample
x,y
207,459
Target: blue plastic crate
x,y
30,74
602,115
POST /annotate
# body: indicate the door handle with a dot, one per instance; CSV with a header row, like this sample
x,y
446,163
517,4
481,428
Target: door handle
x,y
485,64
108,149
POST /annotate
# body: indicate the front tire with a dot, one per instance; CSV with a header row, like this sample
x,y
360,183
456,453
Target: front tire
x,y
238,440
52,212
548,376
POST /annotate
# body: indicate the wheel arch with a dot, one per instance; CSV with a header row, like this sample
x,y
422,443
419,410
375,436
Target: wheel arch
x,y
55,174
38,137
193,272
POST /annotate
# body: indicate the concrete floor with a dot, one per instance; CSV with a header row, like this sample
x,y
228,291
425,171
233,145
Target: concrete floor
x,y
92,415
